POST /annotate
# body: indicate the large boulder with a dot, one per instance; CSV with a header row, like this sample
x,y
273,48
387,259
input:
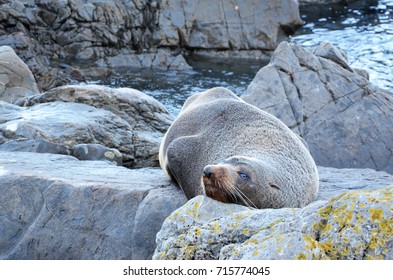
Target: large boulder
x,y
56,207
146,119
346,121
139,33
141,111
16,79
59,127
357,224
116,121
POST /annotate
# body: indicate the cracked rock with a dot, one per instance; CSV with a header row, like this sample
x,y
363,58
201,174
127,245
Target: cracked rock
x,y
126,120
138,33
56,207
57,127
346,121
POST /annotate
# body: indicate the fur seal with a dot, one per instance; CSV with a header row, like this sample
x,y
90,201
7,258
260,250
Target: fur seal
x,y
231,151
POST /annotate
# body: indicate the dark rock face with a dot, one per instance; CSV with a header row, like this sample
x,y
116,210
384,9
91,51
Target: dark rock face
x,y
56,207
345,121
226,25
137,33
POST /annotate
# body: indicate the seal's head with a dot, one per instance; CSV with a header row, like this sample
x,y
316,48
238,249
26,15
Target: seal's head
x,y
243,180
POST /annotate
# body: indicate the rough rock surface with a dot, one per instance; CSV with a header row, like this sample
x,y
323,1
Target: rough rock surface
x,y
56,127
345,121
141,111
97,152
56,207
138,33
231,25
16,80
312,2
353,225
64,124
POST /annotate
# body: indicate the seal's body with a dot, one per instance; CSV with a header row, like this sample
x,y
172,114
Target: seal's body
x,y
234,152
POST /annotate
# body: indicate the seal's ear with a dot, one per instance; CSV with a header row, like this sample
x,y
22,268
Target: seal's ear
x,y
303,141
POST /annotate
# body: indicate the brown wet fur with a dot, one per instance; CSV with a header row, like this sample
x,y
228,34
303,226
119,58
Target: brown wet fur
x,y
221,184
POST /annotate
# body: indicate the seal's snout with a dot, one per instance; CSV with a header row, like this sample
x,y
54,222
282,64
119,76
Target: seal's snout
x,y
207,171
217,183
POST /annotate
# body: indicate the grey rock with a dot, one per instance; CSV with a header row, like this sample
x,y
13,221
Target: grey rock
x,y
246,25
16,79
138,33
97,152
69,124
141,111
336,181
355,224
312,2
56,207
146,117
345,120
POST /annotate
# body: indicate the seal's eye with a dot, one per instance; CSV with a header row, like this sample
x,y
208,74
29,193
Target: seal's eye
x,y
243,175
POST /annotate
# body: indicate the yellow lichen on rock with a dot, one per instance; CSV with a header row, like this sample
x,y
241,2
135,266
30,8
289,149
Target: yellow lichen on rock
x,y
109,155
301,256
353,225
375,214
346,222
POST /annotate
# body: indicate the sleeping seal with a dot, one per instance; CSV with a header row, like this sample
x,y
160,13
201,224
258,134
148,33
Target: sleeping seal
x,y
233,152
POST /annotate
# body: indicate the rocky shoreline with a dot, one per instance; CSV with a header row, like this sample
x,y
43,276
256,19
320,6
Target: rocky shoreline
x,y
157,34
79,176
58,207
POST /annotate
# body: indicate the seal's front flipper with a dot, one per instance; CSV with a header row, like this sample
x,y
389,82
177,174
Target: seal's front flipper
x,y
178,156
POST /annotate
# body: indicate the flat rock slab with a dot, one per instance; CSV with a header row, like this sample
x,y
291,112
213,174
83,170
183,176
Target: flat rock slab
x,y
57,207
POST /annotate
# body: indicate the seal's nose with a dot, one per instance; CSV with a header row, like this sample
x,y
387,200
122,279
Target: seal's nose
x,y
207,171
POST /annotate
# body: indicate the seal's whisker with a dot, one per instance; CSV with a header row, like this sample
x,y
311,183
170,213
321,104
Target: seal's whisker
x,y
230,188
223,188
245,198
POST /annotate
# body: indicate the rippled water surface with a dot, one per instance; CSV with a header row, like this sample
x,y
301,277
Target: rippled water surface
x,y
363,29
172,87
